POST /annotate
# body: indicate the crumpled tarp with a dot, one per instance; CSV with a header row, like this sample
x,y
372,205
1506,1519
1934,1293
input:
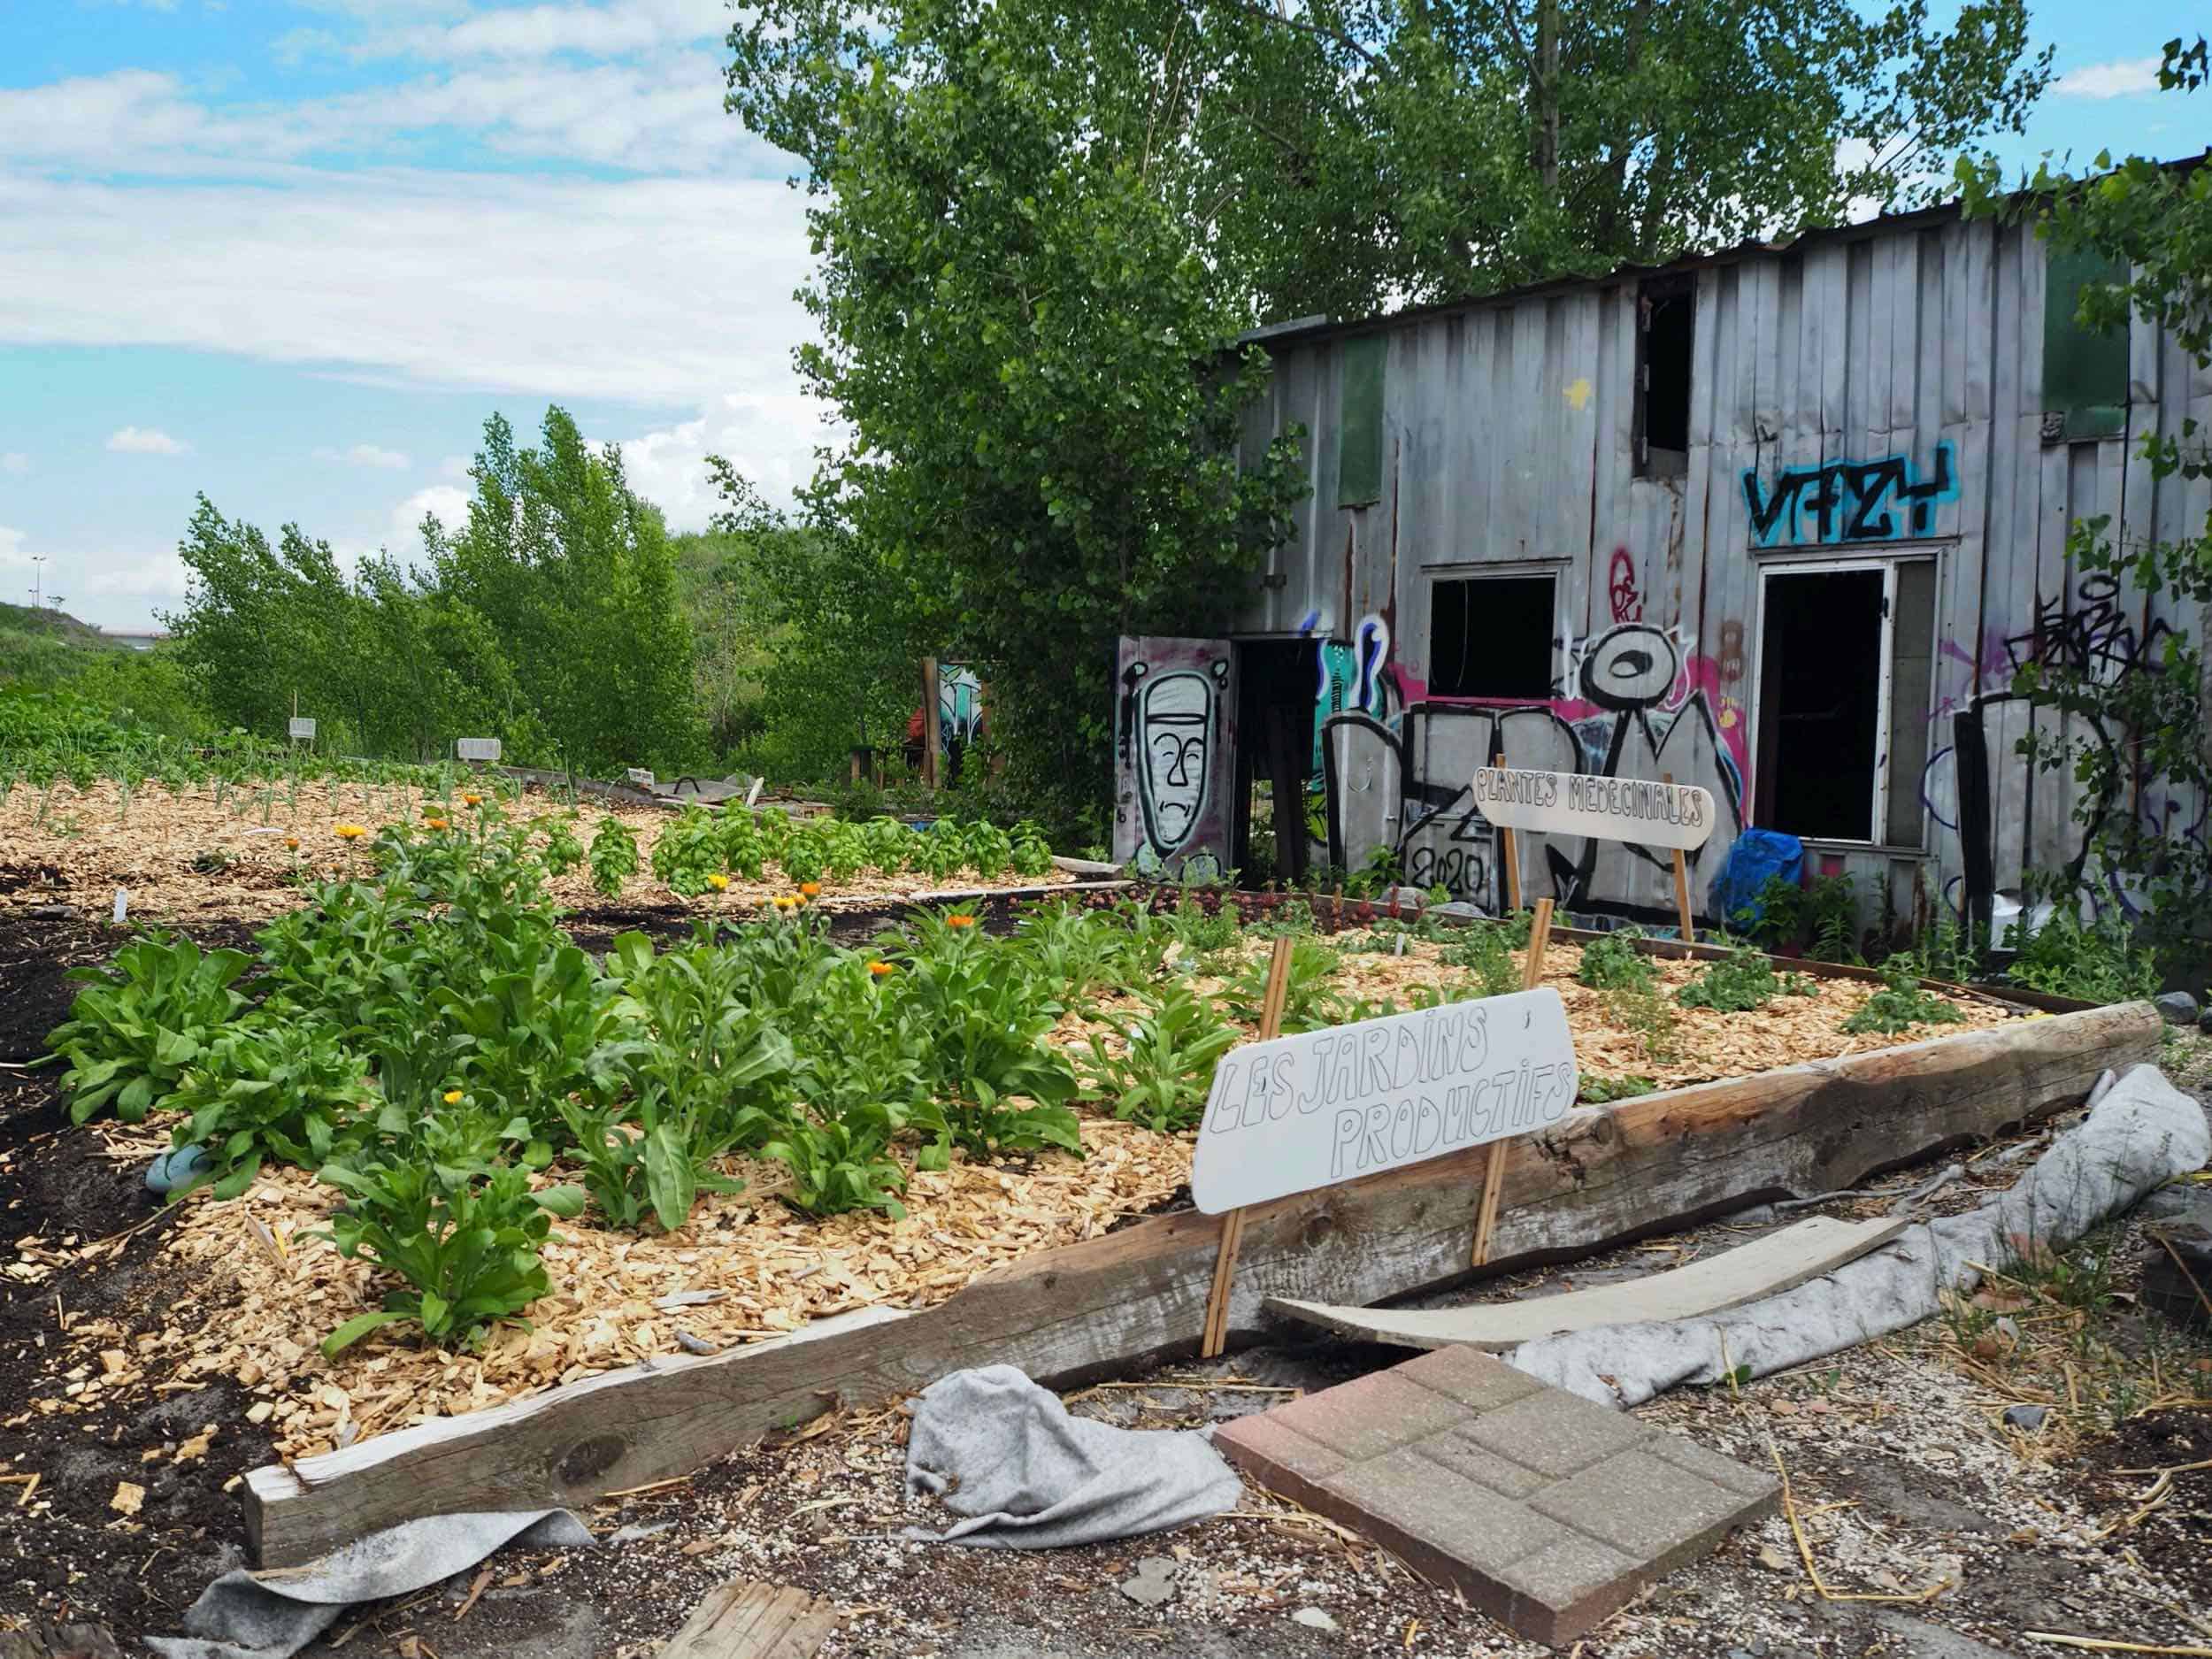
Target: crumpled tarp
x,y
1007,1455
274,1613
2141,1131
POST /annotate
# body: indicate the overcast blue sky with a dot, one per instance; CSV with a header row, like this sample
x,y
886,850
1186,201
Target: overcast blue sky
x,y
292,253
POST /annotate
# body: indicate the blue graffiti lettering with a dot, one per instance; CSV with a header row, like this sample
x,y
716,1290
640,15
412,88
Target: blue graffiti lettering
x,y
1850,501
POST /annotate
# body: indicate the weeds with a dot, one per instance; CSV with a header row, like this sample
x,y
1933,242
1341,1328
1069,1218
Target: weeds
x,y
1901,1004
1742,980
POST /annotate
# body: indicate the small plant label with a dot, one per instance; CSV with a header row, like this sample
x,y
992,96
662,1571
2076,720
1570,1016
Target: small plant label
x,y
1310,1111
303,730
1611,809
476,748
641,777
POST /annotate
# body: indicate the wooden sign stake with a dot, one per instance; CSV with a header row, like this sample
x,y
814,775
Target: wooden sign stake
x,y
1494,1166
1682,891
1512,853
1217,1333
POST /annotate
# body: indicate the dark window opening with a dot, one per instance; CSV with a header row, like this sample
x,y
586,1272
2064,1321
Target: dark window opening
x,y
1820,656
1277,750
1490,636
1667,326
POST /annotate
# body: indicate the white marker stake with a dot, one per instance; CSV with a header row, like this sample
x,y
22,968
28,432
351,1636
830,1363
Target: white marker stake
x,y
122,904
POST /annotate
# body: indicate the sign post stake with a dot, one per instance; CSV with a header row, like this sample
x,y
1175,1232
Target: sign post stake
x,y
1494,1166
1512,852
1217,1333
1682,892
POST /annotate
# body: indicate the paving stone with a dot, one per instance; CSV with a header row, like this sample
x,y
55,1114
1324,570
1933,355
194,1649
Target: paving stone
x,y
1548,1511
1554,1432
1370,1416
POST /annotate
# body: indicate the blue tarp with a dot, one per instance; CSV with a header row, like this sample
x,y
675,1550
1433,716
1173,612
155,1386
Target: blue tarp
x,y
1757,855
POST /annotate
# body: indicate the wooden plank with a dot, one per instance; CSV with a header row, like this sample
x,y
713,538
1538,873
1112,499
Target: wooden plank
x,y
754,1621
1493,1165
1599,1177
1272,1001
1764,1267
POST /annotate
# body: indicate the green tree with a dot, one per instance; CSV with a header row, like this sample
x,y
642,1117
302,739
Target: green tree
x,y
572,571
1038,224
2154,221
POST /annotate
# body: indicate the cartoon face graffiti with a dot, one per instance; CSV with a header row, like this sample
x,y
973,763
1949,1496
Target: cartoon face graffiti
x,y
1175,719
1632,667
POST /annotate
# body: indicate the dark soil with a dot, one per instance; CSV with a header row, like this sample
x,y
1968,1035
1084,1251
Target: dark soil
x,y
2175,1538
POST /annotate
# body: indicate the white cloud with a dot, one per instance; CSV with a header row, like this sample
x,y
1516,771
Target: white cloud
x,y
146,440
448,505
365,454
768,437
2115,79
647,291
118,587
15,461
453,466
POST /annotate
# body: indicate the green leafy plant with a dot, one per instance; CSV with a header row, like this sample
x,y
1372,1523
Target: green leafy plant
x,y
267,1088
1901,1004
1611,961
1201,932
1310,1002
1740,981
1598,1091
431,1201
1645,1013
563,851
2098,961
688,852
1830,913
1031,855
1166,1067
141,1022
613,857
1486,950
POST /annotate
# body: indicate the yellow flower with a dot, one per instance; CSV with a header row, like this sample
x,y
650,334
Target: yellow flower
x,y
811,889
720,883
785,901
881,968
960,921
453,1098
350,831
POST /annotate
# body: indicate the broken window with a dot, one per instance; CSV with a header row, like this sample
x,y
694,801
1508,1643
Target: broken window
x,y
1666,326
1490,636
1847,658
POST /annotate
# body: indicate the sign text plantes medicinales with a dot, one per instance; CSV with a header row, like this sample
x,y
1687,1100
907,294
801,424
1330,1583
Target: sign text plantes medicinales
x,y
1582,803
1310,1111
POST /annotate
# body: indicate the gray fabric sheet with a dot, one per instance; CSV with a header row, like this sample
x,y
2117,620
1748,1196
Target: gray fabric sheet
x,y
273,1613
2141,1131
1005,1454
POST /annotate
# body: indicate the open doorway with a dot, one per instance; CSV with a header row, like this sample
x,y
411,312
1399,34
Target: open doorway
x,y
1276,695
1846,665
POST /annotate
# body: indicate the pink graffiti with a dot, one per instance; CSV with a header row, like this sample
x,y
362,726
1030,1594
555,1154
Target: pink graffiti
x,y
1628,604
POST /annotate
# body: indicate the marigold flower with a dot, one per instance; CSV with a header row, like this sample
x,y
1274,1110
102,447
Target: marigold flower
x,y
811,889
720,883
453,1098
349,832
292,841
436,823
785,901
881,968
960,921
473,800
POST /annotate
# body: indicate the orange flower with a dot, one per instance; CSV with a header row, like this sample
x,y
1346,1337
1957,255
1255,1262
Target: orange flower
x,y
292,841
811,889
436,823
880,968
720,882
473,800
960,921
349,832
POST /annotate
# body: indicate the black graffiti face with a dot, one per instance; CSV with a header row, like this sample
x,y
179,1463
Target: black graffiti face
x,y
1849,501
1632,667
1175,726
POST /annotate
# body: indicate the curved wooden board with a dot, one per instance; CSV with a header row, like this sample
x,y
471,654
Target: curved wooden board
x,y
1600,1177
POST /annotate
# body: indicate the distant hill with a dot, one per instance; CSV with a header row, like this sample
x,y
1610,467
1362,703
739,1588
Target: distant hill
x,y
58,626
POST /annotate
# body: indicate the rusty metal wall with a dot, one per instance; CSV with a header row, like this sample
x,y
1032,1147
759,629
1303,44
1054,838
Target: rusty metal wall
x,y
1509,444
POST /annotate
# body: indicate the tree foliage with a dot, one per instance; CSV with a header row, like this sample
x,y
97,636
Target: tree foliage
x,y
549,619
1038,221
2156,221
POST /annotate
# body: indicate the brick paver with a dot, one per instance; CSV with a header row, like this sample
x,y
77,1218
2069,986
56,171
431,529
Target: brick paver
x,y
1547,1511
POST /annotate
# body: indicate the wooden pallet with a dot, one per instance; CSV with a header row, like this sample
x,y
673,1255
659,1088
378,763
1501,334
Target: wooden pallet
x,y
754,1621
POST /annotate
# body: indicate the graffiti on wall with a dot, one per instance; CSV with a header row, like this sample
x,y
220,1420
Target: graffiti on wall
x,y
1850,501
1173,753
1645,707
959,708
2092,635
1355,675
1620,588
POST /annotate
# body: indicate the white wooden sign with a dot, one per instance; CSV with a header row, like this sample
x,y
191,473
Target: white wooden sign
x,y
303,730
1296,1113
1610,808
476,748
641,777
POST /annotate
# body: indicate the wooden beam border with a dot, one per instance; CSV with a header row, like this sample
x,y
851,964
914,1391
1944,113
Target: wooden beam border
x,y
1600,1176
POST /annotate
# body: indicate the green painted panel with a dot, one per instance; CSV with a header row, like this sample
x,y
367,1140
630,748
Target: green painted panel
x,y
2085,374
1359,423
